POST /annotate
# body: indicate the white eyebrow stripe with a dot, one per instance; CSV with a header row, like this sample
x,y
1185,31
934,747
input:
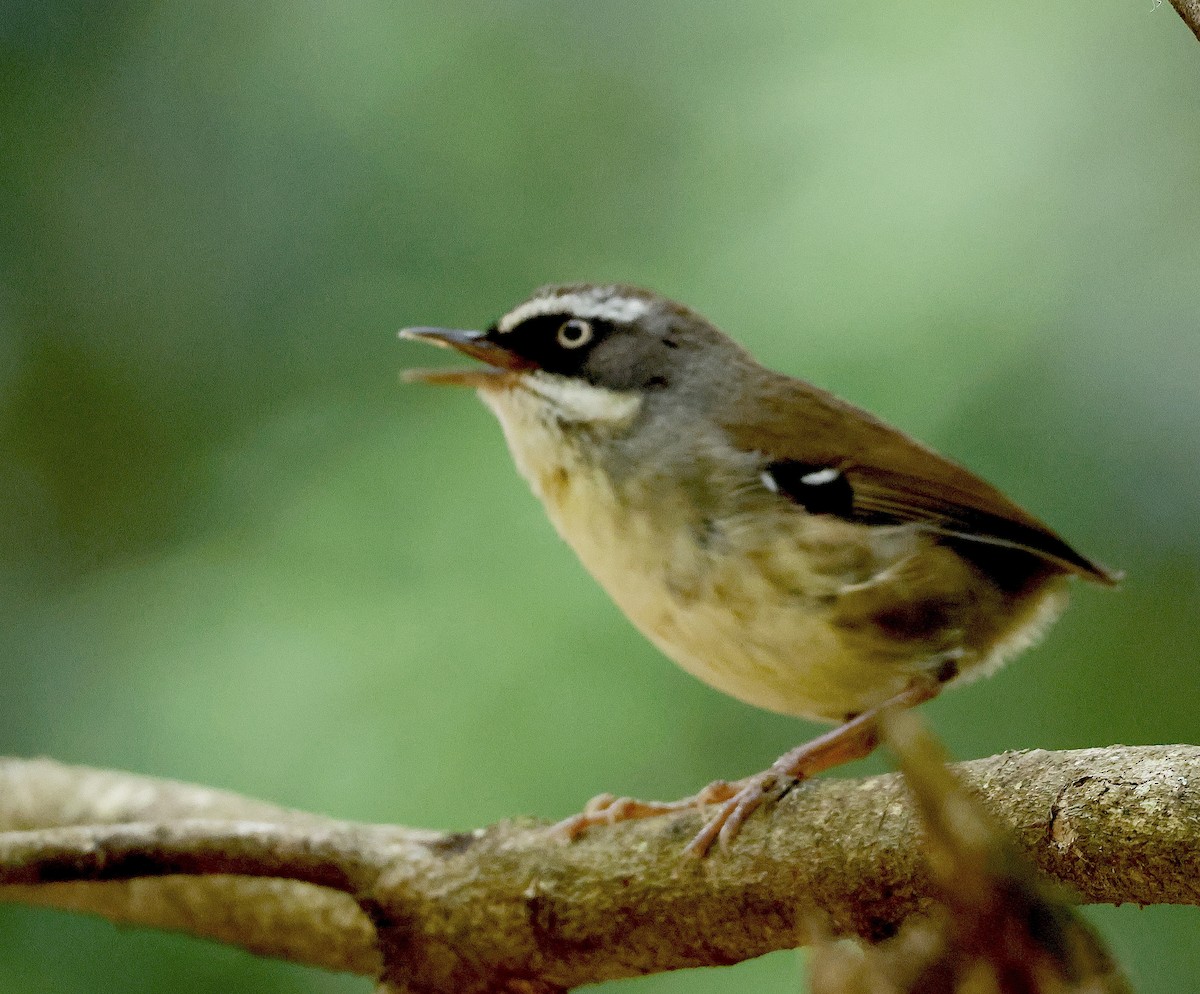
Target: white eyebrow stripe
x,y
587,304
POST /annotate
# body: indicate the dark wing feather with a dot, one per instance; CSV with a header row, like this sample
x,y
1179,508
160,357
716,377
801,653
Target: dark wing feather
x,y
894,478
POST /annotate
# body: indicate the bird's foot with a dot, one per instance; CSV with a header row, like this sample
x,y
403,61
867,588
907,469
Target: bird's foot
x,y
732,813
853,739
608,809
736,802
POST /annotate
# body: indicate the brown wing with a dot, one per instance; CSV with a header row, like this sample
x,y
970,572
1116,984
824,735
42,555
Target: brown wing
x,y
893,478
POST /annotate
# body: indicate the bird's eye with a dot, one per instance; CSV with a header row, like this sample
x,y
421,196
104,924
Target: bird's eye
x,y
574,333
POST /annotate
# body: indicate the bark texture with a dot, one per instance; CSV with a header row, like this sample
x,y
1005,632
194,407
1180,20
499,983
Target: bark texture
x,y
514,908
1189,10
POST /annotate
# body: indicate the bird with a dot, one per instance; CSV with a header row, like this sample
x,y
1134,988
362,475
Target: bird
x,y
784,546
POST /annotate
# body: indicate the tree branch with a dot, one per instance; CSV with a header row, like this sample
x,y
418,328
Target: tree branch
x,y
1189,10
512,908
286,919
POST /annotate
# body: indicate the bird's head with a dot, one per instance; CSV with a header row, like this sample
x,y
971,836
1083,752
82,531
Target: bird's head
x,y
590,352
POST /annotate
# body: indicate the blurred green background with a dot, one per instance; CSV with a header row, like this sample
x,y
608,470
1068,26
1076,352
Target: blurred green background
x,y
235,550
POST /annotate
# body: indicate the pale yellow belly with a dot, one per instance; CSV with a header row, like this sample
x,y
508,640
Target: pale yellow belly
x,y
750,622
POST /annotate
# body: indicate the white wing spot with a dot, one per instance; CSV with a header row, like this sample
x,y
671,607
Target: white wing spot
x,y
597,303
819,477
769,482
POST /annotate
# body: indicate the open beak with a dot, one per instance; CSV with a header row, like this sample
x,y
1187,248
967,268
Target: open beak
x,y
501,363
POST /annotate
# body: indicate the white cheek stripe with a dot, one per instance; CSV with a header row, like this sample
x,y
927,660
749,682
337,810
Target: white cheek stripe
x,y
596,303
574,400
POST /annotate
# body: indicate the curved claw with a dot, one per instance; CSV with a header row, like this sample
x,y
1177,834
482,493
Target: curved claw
x,y
732,814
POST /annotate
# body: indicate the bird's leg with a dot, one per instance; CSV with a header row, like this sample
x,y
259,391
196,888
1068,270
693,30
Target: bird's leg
x,y
852,740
